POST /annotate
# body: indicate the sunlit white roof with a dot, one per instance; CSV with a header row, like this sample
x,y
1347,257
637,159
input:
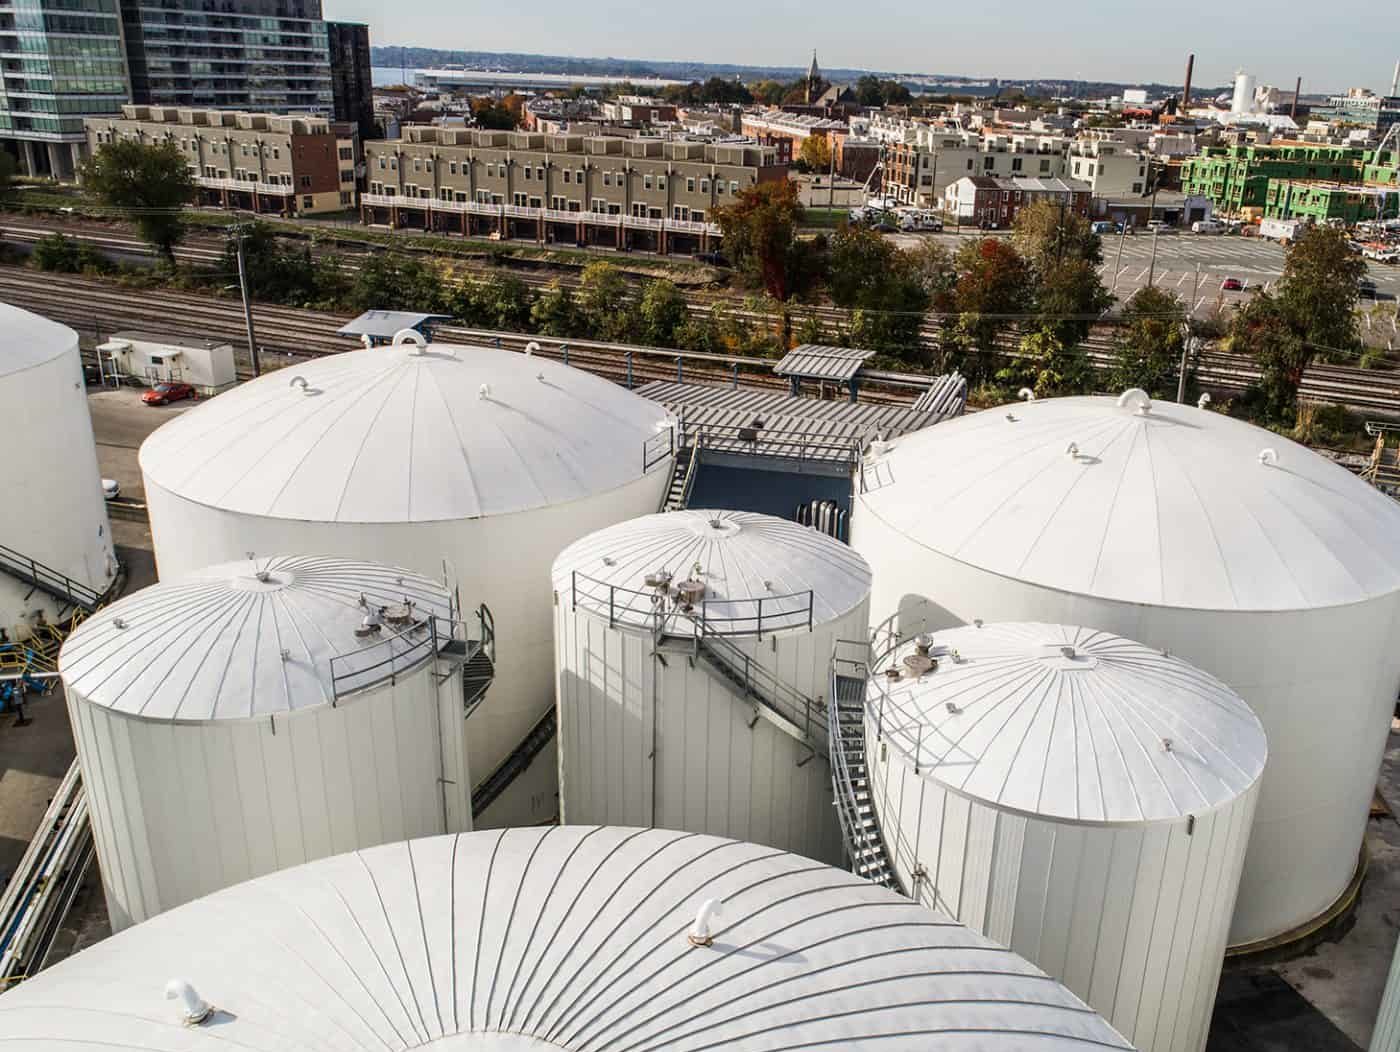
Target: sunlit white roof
x,y
1174,506
570,937
405,434
1068,723
253,638
742,557
27,340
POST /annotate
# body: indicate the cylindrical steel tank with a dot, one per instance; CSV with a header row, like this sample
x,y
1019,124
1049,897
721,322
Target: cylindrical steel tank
x,y
475,462
1243,100
532,940
693,654
53,514
255,715
1078,797
1248,555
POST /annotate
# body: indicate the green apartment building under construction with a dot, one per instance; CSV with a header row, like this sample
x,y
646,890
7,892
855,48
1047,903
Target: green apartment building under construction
x,y
1236,178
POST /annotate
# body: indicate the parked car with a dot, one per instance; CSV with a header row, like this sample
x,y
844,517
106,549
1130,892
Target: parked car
x,y
1366,289
165,393
1233,285
1103,226
111,489
1207,226
714,259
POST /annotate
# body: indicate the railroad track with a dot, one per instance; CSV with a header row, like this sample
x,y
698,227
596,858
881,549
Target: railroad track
x,y
96,308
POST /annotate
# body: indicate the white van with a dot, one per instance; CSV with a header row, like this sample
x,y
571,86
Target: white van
x,y
1207,226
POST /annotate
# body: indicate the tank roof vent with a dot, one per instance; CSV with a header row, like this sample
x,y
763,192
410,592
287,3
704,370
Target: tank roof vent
x,y
193,1008
702,931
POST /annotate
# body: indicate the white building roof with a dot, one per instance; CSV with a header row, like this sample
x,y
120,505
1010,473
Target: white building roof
x,y
226,644
1174,507
743,558
30,340
399,434
1069,723
570,937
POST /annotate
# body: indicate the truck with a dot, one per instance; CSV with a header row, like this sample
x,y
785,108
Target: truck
x,y
1279,229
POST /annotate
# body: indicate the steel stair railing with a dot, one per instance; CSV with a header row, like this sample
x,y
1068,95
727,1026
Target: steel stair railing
x,y
50,581
850,780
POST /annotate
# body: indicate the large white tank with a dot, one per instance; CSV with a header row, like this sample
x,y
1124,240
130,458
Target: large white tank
x,y
53,513
243,719
659,624
1243,100
481,463
1248,555
1080,798
531,940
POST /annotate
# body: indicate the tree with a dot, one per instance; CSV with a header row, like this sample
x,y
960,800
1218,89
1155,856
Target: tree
x,y
389,281
1046,234
1047,365
555,313
7,173
883,286
994,286
760,239
768,92
503,302
816,153
1319,289
605,303
662,314
1264,329
868,91
493,116
151,183
1147,349
1069,297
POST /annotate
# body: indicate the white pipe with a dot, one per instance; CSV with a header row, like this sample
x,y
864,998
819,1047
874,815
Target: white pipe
x,y
1268,457
531,348
193,1008
1025,394
1137,398
412,336
1203,401
701,932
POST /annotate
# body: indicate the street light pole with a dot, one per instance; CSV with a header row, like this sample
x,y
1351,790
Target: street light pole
x,y
239,232
1118,263
1152,264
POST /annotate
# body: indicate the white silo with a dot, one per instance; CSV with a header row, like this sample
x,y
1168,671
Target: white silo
x,y
256,715
1243,100
54,531
693,652
527,940
481,463
1252,557
1080,798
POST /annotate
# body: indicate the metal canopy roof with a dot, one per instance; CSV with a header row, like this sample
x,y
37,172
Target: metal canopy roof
x,y
30,339
818,362
384,324
1069,723
223,644
743,557
1172,506
404,434
570,937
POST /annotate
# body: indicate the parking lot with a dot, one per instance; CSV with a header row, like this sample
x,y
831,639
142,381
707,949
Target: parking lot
x,y
1128,265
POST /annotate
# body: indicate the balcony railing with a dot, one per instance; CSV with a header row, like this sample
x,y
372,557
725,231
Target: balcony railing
x,y
247,186
550,215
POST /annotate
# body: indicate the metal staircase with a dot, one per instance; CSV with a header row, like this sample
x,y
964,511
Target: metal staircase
x,y
683,470
496,783
71,593
865,844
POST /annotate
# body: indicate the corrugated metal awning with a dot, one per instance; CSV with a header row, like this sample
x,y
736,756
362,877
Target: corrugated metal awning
x,y
383,324
818,362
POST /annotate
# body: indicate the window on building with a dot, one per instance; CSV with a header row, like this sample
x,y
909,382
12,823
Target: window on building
x,y
529,172
1015,164
1137,188
646,180
568,175
599,205
347,197
969,164
394,164
490,171
444,194
661,182
690,186
428,165
719,186
417,164
1044,166
698,215
347,175
578,177
518,199
534,202
558,203
704,186
607,178
381,164
306,182
988,163
347,153
308,202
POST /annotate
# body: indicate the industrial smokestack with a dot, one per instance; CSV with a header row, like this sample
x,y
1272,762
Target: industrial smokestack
x,y
1298,90
1395,80
1186,91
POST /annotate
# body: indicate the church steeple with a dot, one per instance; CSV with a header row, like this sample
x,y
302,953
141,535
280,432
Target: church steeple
x,y
814,79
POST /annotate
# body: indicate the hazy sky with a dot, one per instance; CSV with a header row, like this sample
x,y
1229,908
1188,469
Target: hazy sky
x,y
1081,39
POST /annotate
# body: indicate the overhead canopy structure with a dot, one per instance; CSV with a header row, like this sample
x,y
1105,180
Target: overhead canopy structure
x,y
383,324
815,361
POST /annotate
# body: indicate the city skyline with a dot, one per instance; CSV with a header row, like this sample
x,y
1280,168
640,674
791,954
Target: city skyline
x,y
1079,45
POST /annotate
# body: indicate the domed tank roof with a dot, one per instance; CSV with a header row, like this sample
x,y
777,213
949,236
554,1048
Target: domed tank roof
x,y
569,937
407,434
1067,723
254,638
743,557
31,339
1168,505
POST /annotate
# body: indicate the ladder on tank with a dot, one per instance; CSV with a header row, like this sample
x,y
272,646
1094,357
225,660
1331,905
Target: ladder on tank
x,y
850,773
683,470
496,783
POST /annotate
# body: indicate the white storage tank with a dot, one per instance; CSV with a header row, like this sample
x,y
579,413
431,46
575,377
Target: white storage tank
x,y
693,654
1246,554
481,463
53,520
527,940
256,715
1081,798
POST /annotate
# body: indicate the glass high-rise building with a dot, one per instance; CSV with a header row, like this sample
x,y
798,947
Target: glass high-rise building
x,y
60,60
259,55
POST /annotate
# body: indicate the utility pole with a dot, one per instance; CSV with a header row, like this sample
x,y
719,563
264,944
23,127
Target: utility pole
x,y
1118,263
1189,340
1152,263
239,232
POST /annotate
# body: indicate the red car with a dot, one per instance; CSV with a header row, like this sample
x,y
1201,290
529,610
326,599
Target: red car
x,y
164,394
1232,285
